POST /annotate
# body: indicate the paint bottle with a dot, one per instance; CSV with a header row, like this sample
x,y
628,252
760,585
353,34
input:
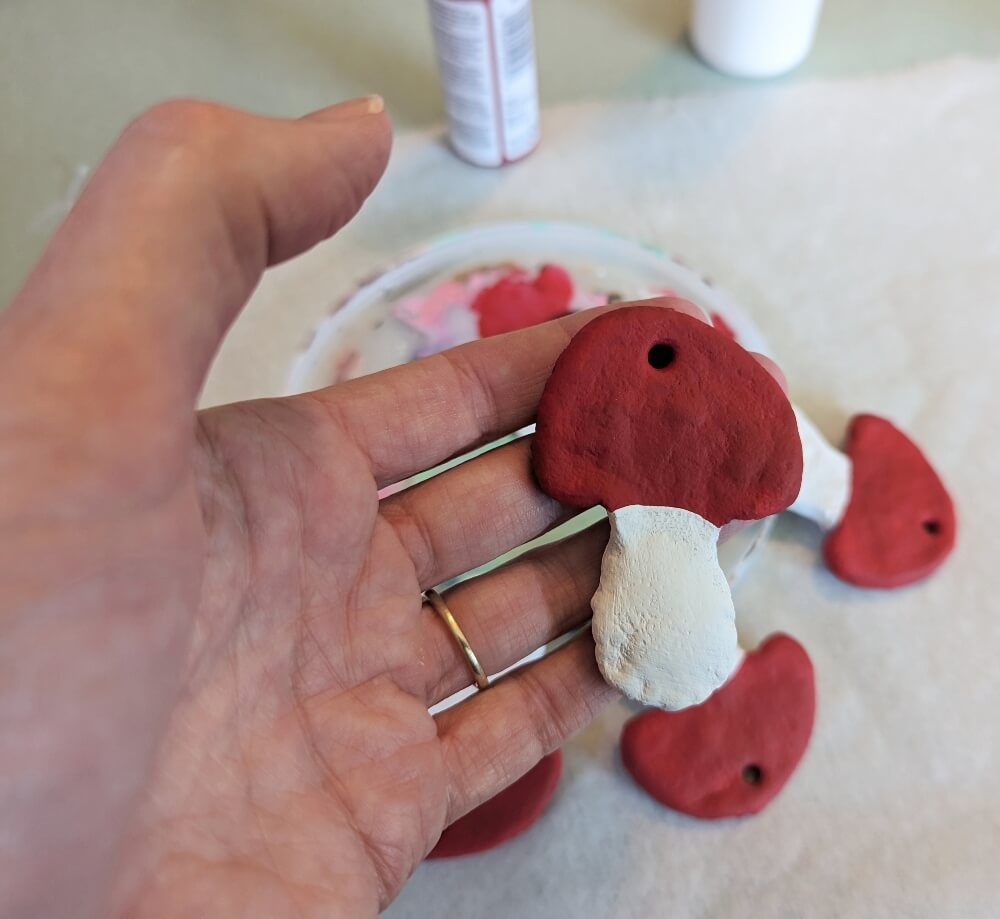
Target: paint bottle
x,y
486,63
754,38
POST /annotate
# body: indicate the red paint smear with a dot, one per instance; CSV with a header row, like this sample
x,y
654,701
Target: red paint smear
x,y
757,726
712,432
900,524
517,301
505,815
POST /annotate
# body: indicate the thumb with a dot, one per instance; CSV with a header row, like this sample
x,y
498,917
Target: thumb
x,y
173,231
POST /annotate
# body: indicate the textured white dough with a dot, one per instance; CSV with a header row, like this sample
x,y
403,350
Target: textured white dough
x,y
664,622
826,476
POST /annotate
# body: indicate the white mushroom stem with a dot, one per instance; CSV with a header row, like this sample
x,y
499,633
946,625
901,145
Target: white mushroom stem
x,y
664,622
826,477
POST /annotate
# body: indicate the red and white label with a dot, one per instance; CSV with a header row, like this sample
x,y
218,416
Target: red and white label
x,y
486,60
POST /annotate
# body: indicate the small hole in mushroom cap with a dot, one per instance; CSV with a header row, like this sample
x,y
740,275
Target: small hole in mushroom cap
x,y
660,356
932,526
751,774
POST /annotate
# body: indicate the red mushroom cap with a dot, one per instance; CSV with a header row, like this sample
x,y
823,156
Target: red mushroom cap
x,y
517,302
733,753
650,406
899,525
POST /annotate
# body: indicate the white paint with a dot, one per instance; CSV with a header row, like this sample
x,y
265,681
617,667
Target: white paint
x,y
664,621
826,477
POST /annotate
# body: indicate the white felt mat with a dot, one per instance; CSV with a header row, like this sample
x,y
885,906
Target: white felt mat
x,y
859,223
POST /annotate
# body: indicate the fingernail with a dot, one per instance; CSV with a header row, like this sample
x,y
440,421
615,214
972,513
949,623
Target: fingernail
x,y
352,109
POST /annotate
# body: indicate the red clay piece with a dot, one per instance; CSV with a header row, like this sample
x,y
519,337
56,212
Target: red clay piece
x,y
650,406
729,756
517,302
899,525
505,815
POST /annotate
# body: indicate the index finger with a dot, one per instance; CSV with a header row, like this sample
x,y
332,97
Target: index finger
x,y
411,418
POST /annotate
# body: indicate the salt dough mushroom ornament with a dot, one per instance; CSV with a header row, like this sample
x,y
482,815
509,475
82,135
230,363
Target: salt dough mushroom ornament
x,y
676,431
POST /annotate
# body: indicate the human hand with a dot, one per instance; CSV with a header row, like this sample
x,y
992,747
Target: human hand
x,y
216,668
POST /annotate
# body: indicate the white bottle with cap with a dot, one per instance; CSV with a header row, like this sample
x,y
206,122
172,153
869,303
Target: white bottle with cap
x,y
486,62
754,38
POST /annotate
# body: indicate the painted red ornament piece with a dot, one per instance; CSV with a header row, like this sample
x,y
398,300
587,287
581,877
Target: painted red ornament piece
x,y
899,525
517,301
729,756
505,815
650,406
